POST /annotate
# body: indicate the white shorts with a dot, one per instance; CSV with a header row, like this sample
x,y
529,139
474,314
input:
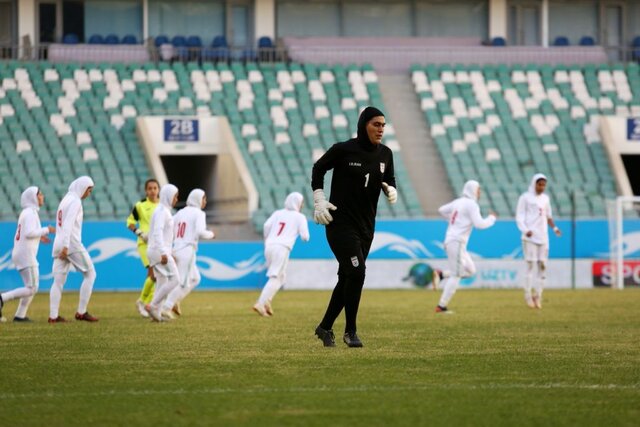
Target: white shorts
x,y
534,252
169,269
186,262
277,257
81,261
460,262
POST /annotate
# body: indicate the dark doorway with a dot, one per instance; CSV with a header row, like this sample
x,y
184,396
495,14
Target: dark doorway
x,y
47,24
632,166
190,172
73,18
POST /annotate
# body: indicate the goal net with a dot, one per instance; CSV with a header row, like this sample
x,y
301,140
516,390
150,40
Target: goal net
x,y
624,241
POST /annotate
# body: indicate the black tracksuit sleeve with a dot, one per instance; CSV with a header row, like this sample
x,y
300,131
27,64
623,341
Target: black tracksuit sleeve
x,y
320,168
389,172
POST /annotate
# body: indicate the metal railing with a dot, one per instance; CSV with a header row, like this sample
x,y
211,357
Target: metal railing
x,y
384,58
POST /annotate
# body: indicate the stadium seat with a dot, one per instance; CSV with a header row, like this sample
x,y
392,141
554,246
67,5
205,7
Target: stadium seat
x,y
561,41
96,39
111,39
160,40
70,39
498,41
587,41
129,39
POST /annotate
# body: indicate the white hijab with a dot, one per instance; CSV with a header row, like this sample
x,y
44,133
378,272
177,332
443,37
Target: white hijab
x,y
80,185
195,198
293,202
167,192
534,180
29,198
470,190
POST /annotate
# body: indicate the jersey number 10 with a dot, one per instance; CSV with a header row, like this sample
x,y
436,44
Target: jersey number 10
x,y
182,226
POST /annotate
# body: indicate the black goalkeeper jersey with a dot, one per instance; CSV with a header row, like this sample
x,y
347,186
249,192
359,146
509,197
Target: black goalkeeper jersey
x,y
359,169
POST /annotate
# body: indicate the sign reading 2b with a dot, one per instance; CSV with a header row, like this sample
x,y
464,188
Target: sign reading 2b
x,y
181,130
633,129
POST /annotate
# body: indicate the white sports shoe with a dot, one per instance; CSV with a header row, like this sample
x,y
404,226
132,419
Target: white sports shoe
x,y
154,313
260,309
141,309
530,302
167,315
537,302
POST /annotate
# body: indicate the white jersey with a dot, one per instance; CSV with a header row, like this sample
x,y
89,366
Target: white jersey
x,y
283,228
161,230
69,225
463,214
532,214
190,225
28,232
160,234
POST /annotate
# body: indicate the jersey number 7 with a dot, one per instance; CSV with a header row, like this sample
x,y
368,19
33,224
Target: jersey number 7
x,y
282,224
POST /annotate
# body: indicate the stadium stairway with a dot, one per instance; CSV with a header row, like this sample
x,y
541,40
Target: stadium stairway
x,y
418,149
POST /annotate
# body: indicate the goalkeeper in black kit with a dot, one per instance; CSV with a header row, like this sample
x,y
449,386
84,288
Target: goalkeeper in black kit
x,y
361,168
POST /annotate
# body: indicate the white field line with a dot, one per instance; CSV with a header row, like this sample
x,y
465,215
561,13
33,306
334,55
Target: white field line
x,y
321,389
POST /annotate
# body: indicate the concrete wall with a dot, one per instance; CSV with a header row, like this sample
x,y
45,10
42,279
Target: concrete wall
x,y
265,18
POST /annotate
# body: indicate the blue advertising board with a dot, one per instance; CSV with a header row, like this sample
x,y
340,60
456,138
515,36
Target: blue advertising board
x,y
238,265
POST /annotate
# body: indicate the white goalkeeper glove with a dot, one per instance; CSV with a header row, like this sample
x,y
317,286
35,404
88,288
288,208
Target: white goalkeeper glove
x,y
390,192
322,206
141,234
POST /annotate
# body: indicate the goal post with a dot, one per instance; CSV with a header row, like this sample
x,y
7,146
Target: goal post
x,y
619,211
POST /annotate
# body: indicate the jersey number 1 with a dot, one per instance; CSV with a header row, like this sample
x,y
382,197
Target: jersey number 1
x,y
18,233
366,180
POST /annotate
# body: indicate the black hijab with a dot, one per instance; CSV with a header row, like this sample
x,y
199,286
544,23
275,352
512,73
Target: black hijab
x,y
366,115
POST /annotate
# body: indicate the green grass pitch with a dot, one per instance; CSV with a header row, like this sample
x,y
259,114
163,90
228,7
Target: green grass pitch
x,y
493,362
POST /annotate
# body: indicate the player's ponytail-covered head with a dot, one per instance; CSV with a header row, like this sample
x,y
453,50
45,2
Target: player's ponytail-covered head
x,y
366,115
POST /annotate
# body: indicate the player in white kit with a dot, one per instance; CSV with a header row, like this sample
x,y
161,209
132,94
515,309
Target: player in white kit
x,y
463,214
280,233
533,216
29,234
189,226
68,250
160,248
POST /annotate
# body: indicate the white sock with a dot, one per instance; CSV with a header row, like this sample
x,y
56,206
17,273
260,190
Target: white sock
x,y
270,290
85,290
16,293
528,280
450,286
55,295
25,302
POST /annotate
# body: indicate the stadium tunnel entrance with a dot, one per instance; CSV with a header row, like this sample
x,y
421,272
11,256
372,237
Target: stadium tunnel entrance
x,y
190,172
632,166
